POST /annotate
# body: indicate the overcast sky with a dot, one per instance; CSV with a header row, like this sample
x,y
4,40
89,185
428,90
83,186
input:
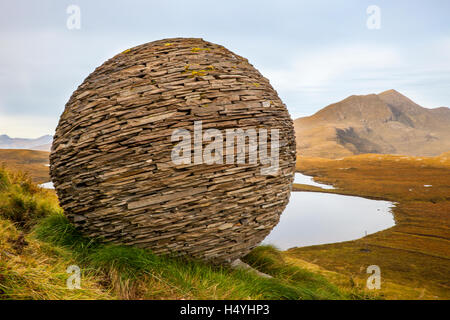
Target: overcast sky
x,y
313,52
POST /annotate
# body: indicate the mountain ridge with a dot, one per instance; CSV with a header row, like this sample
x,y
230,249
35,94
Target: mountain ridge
x,y
385,123
42,143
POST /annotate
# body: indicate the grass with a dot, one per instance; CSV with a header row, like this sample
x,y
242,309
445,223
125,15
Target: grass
x,y
37,244
31,269
271,261
22,202
133,267
414,255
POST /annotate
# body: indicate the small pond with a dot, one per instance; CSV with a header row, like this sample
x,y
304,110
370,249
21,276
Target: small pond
x,y
313,218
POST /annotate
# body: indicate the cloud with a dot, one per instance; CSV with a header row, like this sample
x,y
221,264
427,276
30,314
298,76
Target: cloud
x,y
316,70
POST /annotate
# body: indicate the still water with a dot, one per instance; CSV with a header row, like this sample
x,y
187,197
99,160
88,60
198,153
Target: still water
x,y
313,218
47,185
303,179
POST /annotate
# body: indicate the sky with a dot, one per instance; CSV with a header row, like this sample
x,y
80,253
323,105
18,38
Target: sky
x,y
313,52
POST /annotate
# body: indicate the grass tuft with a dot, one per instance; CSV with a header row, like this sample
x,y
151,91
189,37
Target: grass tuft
x,y
22,202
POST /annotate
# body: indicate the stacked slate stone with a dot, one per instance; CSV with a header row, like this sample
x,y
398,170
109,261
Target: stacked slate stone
x,y
111,156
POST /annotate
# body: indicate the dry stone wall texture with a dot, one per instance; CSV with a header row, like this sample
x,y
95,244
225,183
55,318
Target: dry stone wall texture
x,y
111,156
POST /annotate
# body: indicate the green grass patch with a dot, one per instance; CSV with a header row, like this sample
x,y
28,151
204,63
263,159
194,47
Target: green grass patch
x,y
22,202
186,277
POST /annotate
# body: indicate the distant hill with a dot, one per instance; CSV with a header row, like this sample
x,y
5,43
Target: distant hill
x,y
385,123
35,163
43,143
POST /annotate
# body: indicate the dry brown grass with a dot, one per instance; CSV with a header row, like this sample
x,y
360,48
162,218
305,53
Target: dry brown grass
x,y
29,161
414,255
30,269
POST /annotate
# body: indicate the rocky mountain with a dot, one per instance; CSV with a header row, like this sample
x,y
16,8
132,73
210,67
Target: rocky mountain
x,y
43,143
385,123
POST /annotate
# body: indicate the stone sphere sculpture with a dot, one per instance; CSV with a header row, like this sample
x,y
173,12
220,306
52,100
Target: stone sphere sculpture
x,y
144,152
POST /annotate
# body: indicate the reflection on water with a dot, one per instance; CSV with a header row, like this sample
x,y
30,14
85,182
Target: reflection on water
x,y
47,185
303,179
313,218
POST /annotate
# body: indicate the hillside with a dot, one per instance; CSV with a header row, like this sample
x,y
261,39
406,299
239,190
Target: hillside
x,y
35,163
385,123
43,143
